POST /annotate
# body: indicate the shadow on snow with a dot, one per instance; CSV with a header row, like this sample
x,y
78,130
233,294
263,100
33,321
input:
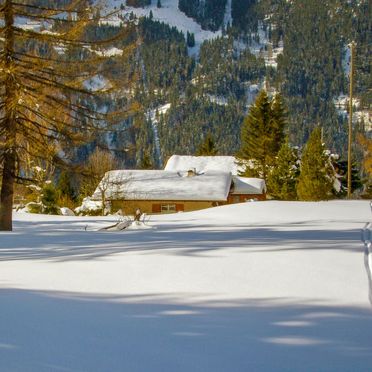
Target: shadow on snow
x,y
52,331
68,240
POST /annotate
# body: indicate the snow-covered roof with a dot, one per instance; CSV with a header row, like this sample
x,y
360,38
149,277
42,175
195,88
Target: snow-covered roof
x,y
203,163
164,185
242,185
245,185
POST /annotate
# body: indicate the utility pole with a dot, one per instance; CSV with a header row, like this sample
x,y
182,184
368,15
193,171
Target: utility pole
x,y
351,78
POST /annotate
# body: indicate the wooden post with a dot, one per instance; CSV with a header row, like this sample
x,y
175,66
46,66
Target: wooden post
x,y
349,164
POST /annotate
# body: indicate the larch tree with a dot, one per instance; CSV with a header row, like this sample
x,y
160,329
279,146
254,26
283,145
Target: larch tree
x,y
44,98
262,134
366,144
99,163
315,180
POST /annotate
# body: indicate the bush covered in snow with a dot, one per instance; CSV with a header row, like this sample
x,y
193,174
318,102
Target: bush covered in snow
x,y
90,207
67,212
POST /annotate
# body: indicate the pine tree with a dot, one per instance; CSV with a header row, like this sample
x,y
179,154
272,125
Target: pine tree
x,y
279,118
282,180
49,199
43,98
158,4
190,39
208,147
315,182
341,168
64,186
262,135
138,3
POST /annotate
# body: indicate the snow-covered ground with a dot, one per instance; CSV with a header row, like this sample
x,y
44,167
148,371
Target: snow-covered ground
x,y
264,286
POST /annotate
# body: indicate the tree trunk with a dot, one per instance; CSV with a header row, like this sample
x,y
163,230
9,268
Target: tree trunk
x,y
7,191
9,123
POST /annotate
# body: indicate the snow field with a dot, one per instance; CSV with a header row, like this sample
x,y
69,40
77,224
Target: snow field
x,y
261,286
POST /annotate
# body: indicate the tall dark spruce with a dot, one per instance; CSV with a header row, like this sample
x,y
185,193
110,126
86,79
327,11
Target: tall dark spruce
x,y
262,134
316,177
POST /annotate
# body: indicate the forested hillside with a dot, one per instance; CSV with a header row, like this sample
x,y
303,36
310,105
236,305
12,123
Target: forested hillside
x,y
181,92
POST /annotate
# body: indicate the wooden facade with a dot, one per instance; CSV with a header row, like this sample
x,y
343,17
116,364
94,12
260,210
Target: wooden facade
x,y
162,206
241,198
174,206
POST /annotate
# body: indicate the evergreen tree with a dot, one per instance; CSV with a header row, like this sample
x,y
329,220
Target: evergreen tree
x,y
244,15
208,13
341,168
282,180
190,39
138,3
146,162
262,135
49,199
279,117
158,4
315,180
64,186
208,147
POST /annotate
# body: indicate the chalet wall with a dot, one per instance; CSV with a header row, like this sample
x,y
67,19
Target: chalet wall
x,y
166,206
159,206
241,198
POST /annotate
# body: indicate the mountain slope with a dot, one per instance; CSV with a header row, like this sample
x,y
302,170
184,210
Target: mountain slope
x,y
170,14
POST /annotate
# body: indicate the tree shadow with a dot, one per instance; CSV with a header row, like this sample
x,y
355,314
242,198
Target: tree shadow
x,y
367,264
57,331
67,240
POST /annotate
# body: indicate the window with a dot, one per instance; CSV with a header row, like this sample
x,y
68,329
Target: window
x,y
168,208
